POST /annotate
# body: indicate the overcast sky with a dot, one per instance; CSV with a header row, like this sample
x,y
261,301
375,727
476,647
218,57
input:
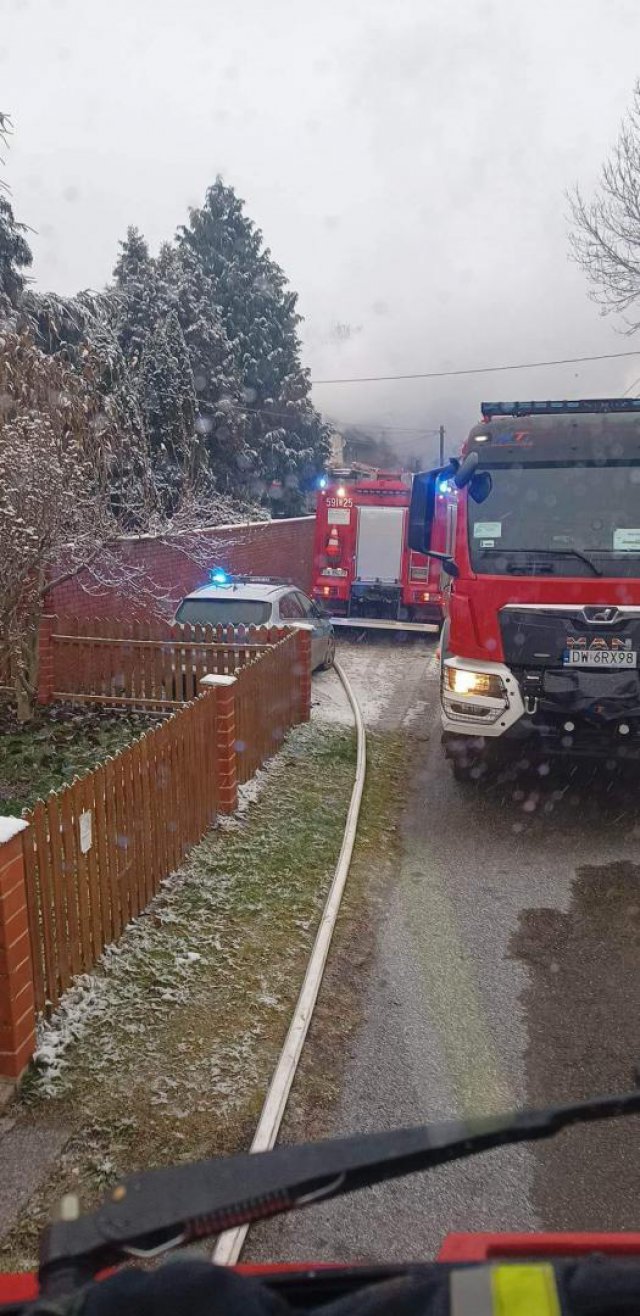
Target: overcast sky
x,y
406,160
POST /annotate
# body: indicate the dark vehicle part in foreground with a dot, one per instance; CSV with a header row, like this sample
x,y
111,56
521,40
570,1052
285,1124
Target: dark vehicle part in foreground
x,y
542,631
151,1213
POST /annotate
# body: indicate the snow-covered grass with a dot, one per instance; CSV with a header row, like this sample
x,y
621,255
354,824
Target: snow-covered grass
x,y
139,966
62,741
164,1053
152,970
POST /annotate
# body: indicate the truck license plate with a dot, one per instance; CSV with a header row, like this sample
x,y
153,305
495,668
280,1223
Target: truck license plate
x,y
600,658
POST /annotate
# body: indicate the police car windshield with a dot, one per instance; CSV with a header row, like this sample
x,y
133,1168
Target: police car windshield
x,y
561,512
224,612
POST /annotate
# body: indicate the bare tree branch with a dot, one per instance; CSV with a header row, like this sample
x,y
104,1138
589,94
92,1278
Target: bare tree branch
x,y
605,239
55,462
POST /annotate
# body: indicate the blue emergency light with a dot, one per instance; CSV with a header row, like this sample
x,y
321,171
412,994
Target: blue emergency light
x,y
219,576
322,482
562,407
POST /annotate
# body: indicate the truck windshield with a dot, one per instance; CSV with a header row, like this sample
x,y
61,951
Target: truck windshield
x,y
559,512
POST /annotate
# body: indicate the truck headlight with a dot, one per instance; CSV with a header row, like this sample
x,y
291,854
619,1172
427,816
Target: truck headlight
x,y
462,681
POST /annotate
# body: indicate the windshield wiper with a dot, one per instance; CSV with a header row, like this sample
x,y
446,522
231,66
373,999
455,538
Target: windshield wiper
x,y
149,1213
548,552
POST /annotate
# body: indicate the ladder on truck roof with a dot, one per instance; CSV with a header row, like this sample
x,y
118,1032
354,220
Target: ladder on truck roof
x,y
565,407
358,470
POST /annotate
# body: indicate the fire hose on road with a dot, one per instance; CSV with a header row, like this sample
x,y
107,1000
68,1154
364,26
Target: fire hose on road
x,y
230,1244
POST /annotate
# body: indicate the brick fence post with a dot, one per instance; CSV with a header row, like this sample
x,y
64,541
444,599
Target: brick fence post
x,y
45,659
17,1007
225,694
302,669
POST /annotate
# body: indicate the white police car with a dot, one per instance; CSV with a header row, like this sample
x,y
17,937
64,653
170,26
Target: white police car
x,y
259,601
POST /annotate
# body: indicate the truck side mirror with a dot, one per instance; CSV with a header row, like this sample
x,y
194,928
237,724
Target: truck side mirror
x,y
423,498
466,471
423,503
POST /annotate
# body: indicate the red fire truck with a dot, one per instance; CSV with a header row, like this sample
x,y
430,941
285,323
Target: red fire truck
x,y
540,520
364,572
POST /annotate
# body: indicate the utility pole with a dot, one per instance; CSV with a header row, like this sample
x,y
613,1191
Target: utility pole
x,y
441,450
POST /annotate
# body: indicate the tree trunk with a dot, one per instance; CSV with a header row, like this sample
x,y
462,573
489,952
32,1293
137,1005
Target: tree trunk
x,y
24,701
26,678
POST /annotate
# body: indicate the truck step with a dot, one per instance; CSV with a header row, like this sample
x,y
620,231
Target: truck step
x,y
384,624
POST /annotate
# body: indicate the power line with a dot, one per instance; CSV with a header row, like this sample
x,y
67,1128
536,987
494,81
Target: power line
x,y
372,428
479,370
245,410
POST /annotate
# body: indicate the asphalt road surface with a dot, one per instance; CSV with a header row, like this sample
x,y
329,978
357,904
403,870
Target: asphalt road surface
x,y
506,972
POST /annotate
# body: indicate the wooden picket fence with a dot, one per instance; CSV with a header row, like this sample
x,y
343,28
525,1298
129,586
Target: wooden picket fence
x,y
267,704
146,664
97,851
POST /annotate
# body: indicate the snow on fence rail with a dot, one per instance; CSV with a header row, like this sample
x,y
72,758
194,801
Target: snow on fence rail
x,y
92,856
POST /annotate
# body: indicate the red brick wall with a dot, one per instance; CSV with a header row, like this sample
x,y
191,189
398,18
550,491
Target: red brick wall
x,y
147,577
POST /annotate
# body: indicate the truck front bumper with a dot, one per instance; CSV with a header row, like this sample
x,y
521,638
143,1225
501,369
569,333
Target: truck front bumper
x,y
583,716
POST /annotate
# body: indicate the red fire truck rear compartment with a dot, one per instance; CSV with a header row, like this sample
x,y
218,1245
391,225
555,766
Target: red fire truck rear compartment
x,y
365,575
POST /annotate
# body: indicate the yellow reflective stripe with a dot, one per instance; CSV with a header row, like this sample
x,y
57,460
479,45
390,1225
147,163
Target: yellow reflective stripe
x,y
524,1291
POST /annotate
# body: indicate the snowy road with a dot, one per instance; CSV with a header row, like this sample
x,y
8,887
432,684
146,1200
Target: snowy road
x,y
506,971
